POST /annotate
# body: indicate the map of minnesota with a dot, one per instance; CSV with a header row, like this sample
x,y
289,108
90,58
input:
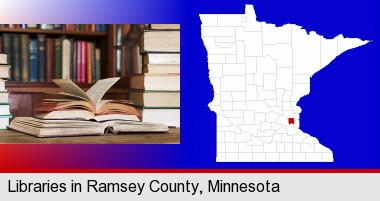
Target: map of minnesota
x,y
259,72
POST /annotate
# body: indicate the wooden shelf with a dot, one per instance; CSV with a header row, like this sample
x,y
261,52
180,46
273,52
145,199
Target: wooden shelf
x,y
53,32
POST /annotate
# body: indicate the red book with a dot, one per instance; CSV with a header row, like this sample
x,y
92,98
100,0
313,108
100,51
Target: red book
x,y
49,59
79,60
89,62
84,62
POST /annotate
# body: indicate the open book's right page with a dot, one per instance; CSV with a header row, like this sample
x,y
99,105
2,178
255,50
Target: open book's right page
x,y
97,91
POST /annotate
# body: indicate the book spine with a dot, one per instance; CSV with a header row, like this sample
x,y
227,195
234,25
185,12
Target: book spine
x,y
88,63
83,61
66,60
31,26
57,58
16,57
49,59
58,26
33,60
93,68
105,27
98,27
74,61
1,44
79,62
7,46
25,57
98,64
41,57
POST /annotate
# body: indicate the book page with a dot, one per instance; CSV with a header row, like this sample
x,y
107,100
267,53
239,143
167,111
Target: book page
x,y
70,87
97,91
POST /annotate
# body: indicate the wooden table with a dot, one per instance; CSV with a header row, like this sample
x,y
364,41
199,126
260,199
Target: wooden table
x,y
172,137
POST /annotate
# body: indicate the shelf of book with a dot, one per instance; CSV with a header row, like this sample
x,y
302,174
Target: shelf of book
x,y
26,93
53,32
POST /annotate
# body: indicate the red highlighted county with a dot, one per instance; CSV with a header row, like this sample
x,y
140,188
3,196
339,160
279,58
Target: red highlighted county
x,y
291,121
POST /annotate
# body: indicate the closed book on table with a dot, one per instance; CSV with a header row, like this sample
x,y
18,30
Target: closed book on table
x,y
161,68
160,41
41,57
161,58
3,58
16,57
164,82
33,60
166,116
57,58
4,97
164,26
155,99
5,71
4,109
25,57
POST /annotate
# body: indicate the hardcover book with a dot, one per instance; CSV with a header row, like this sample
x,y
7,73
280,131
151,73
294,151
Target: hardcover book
x,y
41,57
16,57
156,99
3,58
25,57
33,60
164,82
165,26
160,41
55,128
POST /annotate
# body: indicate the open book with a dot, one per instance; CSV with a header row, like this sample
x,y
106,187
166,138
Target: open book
x,y
59,128
86,105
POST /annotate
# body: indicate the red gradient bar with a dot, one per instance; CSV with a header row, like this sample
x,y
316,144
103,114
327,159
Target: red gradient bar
x,y
190,171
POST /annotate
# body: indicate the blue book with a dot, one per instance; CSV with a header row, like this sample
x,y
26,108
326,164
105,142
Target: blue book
x,y
104,27
33,60
41,57
98,27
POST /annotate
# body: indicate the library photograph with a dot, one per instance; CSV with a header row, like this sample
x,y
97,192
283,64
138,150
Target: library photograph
x,y
89,83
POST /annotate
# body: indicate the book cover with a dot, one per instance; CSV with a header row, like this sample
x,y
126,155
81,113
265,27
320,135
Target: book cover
x,y
83,66
74,55
98,63
88,63
66,58
25,57
164,26
49,59
16,57
57,58
41,57
33,60
93,64
160,41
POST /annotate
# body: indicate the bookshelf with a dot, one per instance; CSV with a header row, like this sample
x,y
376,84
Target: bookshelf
x,y
24,96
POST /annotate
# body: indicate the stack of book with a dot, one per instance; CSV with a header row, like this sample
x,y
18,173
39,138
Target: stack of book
x,y
4,95
42,59
156,92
